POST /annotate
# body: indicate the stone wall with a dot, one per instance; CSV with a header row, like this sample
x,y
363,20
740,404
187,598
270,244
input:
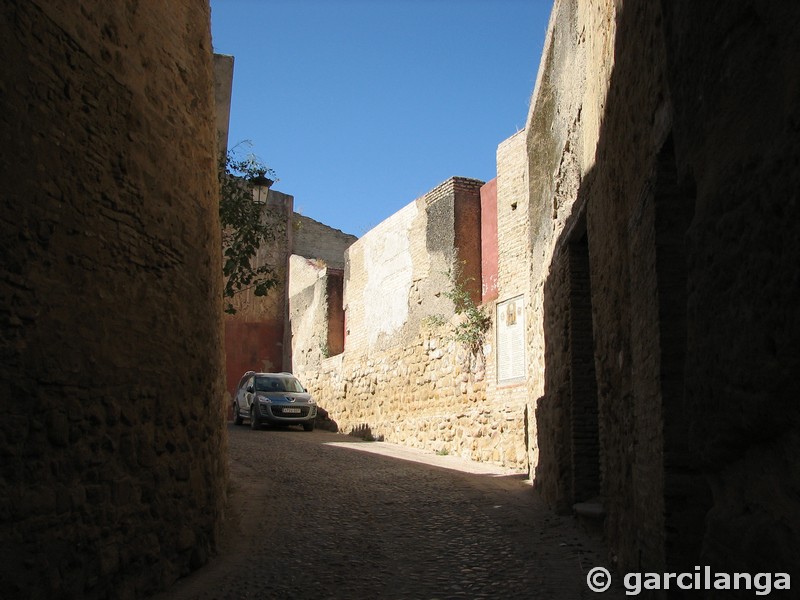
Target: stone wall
x,y
309,305
512,283
260,337
596,388
312,239
395,274
736,128
223,84
425,394
559,137
661,155
401,377
111,437
316,288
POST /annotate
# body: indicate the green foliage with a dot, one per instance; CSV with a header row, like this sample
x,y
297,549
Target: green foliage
x,y
434,321
246,226
324,350
470,330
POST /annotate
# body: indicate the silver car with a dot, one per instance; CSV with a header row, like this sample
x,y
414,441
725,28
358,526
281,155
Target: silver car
x,y
274,398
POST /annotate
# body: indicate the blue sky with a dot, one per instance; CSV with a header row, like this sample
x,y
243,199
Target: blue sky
x,y
362,106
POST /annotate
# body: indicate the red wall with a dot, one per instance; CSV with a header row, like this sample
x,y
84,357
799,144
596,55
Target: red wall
x,y
252,347
489,250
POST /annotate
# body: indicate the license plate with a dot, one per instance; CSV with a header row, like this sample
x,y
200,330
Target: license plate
x,y
291,411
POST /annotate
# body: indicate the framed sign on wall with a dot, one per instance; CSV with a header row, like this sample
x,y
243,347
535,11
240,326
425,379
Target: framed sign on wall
x,y
510,340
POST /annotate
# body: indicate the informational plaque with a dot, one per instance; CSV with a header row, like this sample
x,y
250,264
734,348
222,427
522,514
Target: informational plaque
x,y
510,340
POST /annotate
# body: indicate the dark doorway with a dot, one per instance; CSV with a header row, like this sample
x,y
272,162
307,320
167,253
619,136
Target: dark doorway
x,y
583,384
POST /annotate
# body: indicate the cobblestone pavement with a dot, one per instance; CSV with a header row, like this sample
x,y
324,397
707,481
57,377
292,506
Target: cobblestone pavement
x,y
323,515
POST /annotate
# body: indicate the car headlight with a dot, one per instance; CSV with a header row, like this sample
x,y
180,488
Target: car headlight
x,y
264,400
311,401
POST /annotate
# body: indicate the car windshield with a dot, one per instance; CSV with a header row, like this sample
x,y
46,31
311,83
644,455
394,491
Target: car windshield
x,y
278,384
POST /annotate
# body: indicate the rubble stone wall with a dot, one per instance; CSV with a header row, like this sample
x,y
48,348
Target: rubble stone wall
x,y
662,147
425,394
401,377
112,438
312,239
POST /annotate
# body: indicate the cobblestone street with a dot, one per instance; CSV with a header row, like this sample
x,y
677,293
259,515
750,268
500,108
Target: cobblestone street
x,y
323,515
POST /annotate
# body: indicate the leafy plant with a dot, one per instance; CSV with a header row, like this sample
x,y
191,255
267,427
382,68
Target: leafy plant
x,y
324,350
474,323
246,225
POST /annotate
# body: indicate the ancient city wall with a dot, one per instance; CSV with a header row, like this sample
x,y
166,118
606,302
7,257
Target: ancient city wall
x,y
316,312
424,395
735,167
223,84
559,137
596,439
312,239
394,274
259,335
660,163
112,439
401,377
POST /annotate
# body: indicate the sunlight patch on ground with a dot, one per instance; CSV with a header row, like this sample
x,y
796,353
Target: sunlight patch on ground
x,y
421,456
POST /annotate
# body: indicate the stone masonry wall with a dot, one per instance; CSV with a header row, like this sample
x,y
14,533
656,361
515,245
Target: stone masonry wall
x,y
312,239
401,377
112,443
561,128
308,311
395,273
598,431
424,395
662,147
315,291
223,83
736,126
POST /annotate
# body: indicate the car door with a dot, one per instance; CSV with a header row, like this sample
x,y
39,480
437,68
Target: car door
x,y
250,392
245,396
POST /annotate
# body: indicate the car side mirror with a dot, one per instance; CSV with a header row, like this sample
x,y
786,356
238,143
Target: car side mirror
x,y
250,388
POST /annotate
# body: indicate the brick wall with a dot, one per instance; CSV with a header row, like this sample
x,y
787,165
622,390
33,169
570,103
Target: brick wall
x,y
111,436
512,279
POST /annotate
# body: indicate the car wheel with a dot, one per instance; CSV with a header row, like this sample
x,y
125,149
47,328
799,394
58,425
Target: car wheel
x,y
254,423
237,416
309,426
